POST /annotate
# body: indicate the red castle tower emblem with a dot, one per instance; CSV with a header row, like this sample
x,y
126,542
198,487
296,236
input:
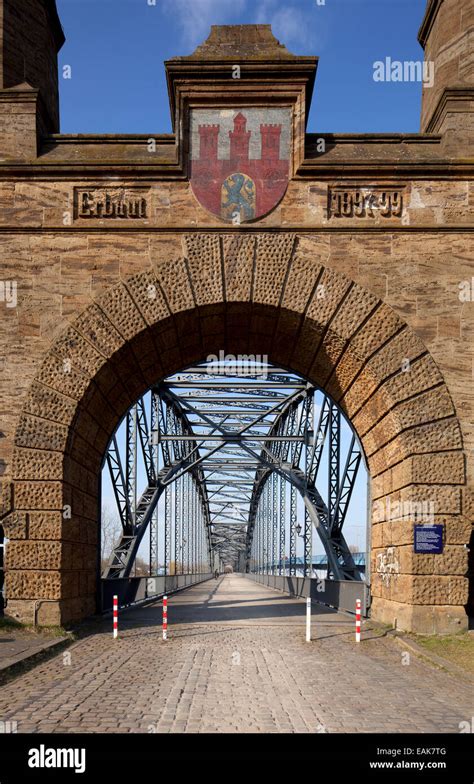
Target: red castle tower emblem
x,y
240,174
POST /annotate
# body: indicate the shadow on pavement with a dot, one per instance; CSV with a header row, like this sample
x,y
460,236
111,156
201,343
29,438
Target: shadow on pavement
x,y
235,600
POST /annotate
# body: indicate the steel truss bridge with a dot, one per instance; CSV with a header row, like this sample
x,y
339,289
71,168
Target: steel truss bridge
x,y
235,466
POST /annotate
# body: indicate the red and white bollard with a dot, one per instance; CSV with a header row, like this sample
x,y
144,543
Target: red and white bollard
x,y
165,617
115,617
358,620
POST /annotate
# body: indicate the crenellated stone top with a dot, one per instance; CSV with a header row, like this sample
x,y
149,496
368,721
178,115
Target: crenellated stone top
x,y
250,42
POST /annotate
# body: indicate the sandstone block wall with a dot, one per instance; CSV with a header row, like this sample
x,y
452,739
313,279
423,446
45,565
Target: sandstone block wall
x,y
447,36
100,317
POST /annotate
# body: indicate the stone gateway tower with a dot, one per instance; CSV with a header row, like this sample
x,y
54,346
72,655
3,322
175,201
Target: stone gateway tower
x,y
347,259
30,38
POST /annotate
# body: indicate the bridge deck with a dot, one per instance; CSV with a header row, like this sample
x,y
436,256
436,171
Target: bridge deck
x,y
233,600
237,661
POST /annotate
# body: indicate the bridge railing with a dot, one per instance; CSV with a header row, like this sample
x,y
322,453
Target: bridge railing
x,y
131,590
340,594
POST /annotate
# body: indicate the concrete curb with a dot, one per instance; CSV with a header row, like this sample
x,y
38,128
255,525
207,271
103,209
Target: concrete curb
x,y
24,661
438,661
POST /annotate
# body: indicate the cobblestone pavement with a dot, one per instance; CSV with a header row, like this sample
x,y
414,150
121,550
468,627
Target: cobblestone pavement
x,y
236,661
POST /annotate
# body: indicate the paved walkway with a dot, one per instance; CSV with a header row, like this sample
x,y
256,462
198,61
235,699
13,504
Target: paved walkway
x,y
18,644
236,661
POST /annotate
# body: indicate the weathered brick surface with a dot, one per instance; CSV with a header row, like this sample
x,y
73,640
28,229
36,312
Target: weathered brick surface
x,y
429,406
204,261
443,435
38,495
145,290
307,264
48,404
355,309
15,525
31,584
328,295
120,309
239,256
347,369
37,464
329,352
57,373
448,42
432,468
273,257
45,555
173,276
99,331
39,433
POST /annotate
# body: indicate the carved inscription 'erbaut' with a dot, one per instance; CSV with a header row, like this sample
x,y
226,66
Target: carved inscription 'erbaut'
x,y
110,203
365,202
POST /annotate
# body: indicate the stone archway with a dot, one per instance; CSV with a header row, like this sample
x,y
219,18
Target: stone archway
x,y
266,294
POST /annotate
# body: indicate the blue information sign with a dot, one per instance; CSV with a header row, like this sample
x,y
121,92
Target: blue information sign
x,y
428,538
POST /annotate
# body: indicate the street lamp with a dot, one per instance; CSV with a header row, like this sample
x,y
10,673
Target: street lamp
x,y
298,530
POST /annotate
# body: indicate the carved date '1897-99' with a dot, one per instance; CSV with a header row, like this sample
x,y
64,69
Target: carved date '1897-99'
x,y
365,202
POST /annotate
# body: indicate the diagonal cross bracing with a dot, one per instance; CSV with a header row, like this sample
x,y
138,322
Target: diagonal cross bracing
x,y
232,455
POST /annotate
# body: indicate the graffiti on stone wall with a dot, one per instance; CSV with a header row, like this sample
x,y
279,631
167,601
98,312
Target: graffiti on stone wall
x,y
387,565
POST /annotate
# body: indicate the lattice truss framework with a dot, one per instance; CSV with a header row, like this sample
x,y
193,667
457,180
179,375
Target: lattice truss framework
x,y
232,448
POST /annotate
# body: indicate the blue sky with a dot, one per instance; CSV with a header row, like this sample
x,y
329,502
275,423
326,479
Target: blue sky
x,y
116,50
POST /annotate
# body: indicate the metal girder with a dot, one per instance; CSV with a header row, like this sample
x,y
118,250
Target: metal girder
x,y
224,454
229,540
308,524
346,487
334,459
230,438
167,554
341,562
125,552
117,476
187,459
316,513
152,446
281,549
145,441
275,520
319,440
293,507
131,459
